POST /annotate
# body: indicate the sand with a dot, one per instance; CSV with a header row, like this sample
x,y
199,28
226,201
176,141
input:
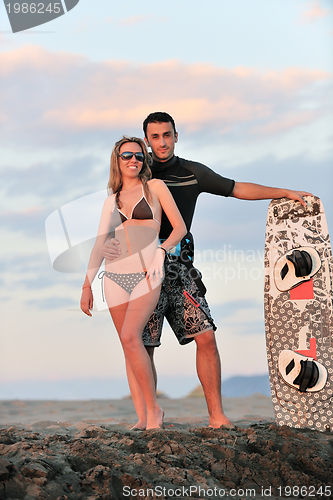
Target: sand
x,y
68,450
121,411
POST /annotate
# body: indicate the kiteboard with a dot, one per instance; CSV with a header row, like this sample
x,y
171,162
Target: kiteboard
x,y
298,313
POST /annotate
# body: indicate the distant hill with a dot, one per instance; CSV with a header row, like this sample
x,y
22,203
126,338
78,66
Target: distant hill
x,y
240,386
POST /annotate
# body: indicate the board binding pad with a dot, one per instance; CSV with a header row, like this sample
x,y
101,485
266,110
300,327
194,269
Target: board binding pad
x,y
299,320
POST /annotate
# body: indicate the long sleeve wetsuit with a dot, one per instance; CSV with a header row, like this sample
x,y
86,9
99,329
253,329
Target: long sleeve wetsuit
x,y
186,180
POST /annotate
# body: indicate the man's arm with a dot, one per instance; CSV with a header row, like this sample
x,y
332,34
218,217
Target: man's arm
x,y
250,191
208,180
111,249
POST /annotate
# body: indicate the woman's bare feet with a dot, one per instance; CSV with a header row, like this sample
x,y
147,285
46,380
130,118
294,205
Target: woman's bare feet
x,y
155,419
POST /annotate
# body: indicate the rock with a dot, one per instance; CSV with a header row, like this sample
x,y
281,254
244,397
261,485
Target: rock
x,y
196,393
35,470
94,462
159,394
5,468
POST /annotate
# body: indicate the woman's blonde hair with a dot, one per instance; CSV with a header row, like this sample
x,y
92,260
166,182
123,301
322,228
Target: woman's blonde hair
x,y
115,183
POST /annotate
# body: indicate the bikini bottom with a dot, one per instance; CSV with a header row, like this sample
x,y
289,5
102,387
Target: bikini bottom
x,y
127,281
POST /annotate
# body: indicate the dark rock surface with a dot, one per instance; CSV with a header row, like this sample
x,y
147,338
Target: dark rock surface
x,y
110,462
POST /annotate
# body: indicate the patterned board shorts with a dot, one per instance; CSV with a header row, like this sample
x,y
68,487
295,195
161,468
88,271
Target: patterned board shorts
x,y
185,319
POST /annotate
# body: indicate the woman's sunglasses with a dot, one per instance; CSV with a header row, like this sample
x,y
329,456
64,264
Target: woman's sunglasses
x,y
127,155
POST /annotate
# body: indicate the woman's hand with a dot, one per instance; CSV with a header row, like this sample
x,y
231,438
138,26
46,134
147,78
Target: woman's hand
x,y
156,270
87,300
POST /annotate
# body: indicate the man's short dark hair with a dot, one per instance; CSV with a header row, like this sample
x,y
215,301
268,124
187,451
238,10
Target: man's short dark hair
x,y
158,117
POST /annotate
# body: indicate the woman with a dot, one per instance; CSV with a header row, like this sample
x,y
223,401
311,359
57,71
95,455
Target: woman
x,y
132,281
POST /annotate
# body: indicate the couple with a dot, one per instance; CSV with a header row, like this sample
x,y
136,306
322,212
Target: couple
x,y
131,221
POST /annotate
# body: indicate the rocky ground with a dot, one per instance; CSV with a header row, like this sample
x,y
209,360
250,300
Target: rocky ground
x,y
101,462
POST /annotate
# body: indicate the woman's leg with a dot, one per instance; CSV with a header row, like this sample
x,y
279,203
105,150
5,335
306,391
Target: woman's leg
x,y
138,312
118,314
117,299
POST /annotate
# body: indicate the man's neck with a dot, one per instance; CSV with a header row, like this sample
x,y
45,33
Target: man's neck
x,y
163,164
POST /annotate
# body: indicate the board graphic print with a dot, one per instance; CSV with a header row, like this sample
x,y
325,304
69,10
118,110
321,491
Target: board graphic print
x,y
298,313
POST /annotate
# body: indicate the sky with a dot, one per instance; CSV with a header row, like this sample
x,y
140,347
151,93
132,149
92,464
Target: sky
x,y
249,84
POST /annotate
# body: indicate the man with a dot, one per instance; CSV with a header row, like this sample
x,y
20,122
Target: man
x,y
182,299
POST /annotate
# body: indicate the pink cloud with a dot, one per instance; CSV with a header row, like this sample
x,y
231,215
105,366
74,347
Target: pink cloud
x,y
54,94
315,11
134,20
284,123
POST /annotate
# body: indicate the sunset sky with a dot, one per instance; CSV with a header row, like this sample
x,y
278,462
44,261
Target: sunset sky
x,y
249,84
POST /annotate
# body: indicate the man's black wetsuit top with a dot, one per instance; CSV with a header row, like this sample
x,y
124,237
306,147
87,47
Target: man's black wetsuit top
x,y
186,180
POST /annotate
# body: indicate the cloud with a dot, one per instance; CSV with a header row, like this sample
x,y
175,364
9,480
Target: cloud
x,y
24,264
52,303
29,220
30,194
84,25
283,123
314,12
139,19
219,222
135,20
59,98
6,41
244,317
49,181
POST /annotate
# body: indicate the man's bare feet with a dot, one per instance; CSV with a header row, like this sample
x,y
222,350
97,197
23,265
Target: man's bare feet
x,y
155,420
221,422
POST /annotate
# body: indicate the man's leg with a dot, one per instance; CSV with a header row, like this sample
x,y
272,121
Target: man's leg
x,y
209,373
187,321
152,332
150,350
